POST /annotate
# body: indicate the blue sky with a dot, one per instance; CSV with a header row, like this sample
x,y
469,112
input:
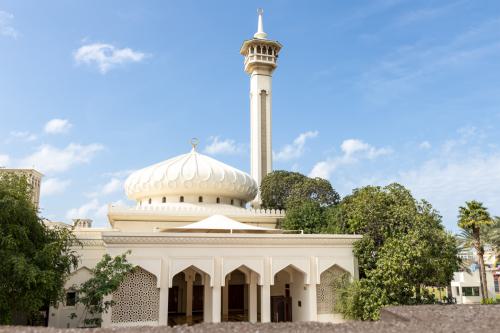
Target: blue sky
x,y
367,92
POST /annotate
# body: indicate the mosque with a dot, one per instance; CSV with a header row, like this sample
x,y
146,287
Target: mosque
x,y
204,250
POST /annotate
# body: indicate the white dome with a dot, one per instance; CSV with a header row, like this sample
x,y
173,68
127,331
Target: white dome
x,y
191,174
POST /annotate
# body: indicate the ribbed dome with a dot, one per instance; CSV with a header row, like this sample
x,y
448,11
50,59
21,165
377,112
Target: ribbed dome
x,y
191,174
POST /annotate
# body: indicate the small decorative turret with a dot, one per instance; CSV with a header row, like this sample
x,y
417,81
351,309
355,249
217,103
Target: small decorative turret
x,y
82,223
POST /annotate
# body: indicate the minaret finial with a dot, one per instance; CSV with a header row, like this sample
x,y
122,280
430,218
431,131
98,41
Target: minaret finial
x,y
194,143
260,34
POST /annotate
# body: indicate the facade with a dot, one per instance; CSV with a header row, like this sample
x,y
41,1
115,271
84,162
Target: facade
x,y
201,253
33,177
466,287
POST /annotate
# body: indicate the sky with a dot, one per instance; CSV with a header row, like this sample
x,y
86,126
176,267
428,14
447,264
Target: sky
x,y
366,93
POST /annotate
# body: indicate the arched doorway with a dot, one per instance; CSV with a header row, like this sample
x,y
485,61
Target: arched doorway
x,y
187,297
288,295
239,295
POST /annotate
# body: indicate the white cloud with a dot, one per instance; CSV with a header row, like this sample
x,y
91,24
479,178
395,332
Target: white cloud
x,y
112,186
22,135
6,28
106,56
353,150
425,145
51,186
57,126
4,160
93,210
218,146
84,211
447,184
48,158
295,149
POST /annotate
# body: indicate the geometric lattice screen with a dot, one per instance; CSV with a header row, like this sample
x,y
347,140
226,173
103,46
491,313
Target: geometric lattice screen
x,y
137,299
325,292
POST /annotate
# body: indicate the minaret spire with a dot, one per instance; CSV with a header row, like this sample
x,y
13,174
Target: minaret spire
x,y
260,34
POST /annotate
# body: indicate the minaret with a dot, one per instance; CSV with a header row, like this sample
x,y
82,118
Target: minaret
x,y
261,56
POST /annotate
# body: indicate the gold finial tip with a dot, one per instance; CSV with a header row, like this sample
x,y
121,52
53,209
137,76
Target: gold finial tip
x,y
195,142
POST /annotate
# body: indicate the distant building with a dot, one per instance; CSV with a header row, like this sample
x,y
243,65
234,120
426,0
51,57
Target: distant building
x,y
466,287
34,179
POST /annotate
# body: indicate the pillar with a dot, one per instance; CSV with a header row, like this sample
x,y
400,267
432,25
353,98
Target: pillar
x,y
207,299
265,303
216,295
225,301
189,296
164,288
252,298
312,302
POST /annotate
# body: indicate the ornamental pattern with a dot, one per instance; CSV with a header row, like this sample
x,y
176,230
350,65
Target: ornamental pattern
x,y
325,291
137,298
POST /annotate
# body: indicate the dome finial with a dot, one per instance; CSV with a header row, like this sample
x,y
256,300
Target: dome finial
x,y
260,34
194,143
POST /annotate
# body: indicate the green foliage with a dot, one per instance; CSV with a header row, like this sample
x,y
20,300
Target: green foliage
x,y
489,301
281,189
306,216
403,250
107,276
473,215
35,260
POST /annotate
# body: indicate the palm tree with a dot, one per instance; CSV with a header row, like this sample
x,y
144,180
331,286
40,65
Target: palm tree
x,y
491,237
473,217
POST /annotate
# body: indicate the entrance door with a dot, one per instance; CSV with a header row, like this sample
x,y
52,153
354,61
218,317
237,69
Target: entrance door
x,y
281,309
236,297
173,299
198,292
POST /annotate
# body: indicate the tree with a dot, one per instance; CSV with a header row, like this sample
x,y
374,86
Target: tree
x,y
404,249
107,276
306,216
377,213
276,187
35,260
283,189
474,216
491,236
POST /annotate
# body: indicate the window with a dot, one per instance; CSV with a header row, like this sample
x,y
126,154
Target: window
x,y
232,201
218,200
457,290
163,200
149,201
200,199
181,199
71,298
497,287
470,291
258,48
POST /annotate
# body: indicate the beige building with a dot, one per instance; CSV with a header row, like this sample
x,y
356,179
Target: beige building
x,y
201,253
34,179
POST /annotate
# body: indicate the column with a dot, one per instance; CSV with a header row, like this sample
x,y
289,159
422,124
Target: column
x,y
216,290
216,295
252,298
312,302
164,288
207,300
225,301
106,316
189,297
265,303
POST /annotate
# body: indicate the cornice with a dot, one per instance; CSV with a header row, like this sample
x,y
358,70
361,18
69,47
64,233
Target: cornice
x,y
232,239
